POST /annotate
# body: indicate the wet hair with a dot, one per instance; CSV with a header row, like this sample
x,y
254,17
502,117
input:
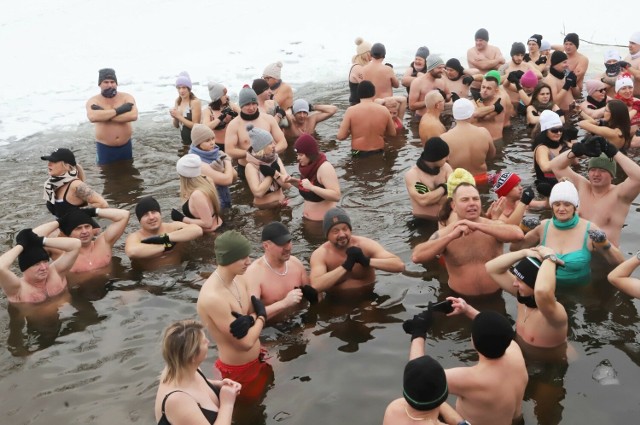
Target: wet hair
x,y
620,120
447,209
188,185
180,345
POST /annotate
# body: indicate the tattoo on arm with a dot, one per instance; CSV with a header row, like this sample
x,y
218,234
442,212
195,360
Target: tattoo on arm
x,y
84,192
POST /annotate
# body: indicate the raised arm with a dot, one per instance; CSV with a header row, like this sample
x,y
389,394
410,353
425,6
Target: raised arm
x,y
9,282
82,191
620,277
545,290
498,268
324,112
561,167
119,220
70,248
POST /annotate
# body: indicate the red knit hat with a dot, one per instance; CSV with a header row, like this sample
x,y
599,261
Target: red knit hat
x,y
505,182
307,145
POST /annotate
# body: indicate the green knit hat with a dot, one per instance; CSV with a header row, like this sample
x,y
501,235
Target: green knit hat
x,y
495,74
605,163
230,247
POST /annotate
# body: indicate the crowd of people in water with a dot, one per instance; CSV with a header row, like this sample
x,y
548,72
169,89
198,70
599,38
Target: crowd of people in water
x,y
574,118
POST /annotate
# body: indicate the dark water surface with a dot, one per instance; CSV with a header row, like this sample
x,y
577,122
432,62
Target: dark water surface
x,y
96,360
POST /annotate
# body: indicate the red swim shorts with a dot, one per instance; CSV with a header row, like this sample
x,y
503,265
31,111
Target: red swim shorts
x,y
254,376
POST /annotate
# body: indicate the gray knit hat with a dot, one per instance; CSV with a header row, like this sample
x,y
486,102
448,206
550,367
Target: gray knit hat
x,y
423,52
433,61
259,138
273,70
216,91
246,96
200,133
334,216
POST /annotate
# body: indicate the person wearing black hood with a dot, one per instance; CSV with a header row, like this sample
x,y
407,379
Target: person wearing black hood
x,y
530,276
426,181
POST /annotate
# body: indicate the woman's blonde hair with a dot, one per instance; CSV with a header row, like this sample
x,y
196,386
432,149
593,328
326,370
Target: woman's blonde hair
x,y
190,184
180,345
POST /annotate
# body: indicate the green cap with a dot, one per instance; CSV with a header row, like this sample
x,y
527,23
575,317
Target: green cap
x,y
604,162
230,247
495,74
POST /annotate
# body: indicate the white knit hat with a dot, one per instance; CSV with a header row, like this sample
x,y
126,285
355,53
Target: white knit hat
x,y
273,70
300,105
635,37
363,46
549,119
612,55
189,165
624,81
564,191
463,109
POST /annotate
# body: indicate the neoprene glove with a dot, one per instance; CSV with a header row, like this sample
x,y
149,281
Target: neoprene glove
x,y
267,170
541,60
529,223
514,76
162,239
570,133
97,107
560,112
310,293
445,187
419,325
421,188
498,106
570,81
124,108
275,166
240,327
454,96
280,111
467,80
27,237
527,195
176,215
359,255
258,307
350,261
607,147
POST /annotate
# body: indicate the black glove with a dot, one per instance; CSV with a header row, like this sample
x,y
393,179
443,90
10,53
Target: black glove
x,y
624,64
445,187
529,223
514,76
454,96
231,112
280,111
467,80
258,307
498,106
350,261
541,60
222,116
444,95
176,215
388,64
310,293
544,188
518,85
311,106
27,237
560,112
579,149
419,325
124,108
570,81
592,145
266,170
97,107
275,166
607,147
421,188
527,195
90,211
570,133
240,327
163,239
359,255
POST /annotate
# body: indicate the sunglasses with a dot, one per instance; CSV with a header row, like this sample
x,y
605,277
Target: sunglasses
x,y
602,91
556,130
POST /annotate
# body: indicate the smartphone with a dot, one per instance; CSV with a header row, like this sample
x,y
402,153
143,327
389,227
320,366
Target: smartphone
x,y
442,307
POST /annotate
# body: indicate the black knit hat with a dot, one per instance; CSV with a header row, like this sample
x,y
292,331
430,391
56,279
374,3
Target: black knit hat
x,y
434,150
491,333
482,34
572,37
30,256
366,89
145,205
526,270
557,56
425,384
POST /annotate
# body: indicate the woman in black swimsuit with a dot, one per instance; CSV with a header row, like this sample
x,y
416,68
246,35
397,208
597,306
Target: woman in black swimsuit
x,y
185,395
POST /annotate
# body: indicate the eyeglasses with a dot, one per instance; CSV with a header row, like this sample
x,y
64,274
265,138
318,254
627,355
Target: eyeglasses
x,y
602,90
556,130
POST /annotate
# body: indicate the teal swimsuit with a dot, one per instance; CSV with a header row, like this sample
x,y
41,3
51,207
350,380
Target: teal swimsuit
x,y
577,264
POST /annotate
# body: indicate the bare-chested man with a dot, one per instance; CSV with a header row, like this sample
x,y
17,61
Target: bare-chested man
x,y
112,112
430,124
576,62
490,107
237,141
484,57
282,92
634,60
95,253
468,243
491,391
304,117
602,202
383,77
367,122
542,321
517,67
347,261
426,182
235,318
41,280
155,241
426,83
471,146
276,278
458,79
561,84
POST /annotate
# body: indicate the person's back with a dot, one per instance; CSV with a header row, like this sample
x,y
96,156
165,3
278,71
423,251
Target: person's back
x,y
369,125
381,76
470,146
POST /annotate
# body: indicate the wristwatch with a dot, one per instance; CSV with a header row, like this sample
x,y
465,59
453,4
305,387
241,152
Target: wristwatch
x,y
551,257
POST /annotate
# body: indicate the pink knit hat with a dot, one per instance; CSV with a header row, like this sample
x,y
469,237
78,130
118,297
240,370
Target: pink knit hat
x,y
529,79
594,85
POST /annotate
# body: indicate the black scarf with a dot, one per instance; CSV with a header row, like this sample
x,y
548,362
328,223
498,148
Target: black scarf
x,y
424,167
558,74
596,104
529,301
250,117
